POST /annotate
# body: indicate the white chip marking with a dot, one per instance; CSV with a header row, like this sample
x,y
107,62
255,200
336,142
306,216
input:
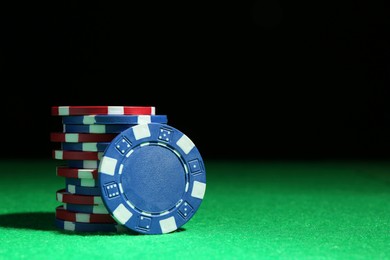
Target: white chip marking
x,y
90,164
162,214
82,217
87,182
72,138
168,225
97,129
122,214
69,226
130,152
92,147
97,200
59,197
198,190
89,120
141,131
58,154
82,173
185,144
63,111
116,110
71,188
146,213
108,165
153,112
99,209
144,120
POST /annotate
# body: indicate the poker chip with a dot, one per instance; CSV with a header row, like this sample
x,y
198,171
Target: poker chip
x,y
125,169
66,197
95,209
152,178
86,164
95,129
64,171
114,119
81,182
101,110
86,147
87,227
75,189
63,214
77,137
76,155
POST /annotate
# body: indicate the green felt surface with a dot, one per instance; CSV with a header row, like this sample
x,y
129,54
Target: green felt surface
x,y
262,210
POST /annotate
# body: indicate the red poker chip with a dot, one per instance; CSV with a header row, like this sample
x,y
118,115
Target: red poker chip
x,y
66,197
102,110
63,214
81,137
78,173
76,155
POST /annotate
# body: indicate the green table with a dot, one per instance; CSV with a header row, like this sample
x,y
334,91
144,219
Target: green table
x,y
251,210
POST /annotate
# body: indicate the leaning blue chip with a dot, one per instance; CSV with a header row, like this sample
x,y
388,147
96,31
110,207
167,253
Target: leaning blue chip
x,y
114,119
95,129
152,178
85,146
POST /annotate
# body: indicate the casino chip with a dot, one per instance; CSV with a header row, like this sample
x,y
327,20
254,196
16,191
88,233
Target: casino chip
x,y
88,227
66,197
94,209
86,147
101,110
75,189
76,155
81,137
81,182
126,169
114,119
63,214
64,171
86,164
95,129
152,178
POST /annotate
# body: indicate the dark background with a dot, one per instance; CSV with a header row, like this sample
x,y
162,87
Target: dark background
x,y
243,79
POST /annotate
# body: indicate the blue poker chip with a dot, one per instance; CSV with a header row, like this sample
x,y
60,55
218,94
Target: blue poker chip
x,y
75,189
88,227
95,129
114,119
83,164
152,178
95,209
81,182
86,147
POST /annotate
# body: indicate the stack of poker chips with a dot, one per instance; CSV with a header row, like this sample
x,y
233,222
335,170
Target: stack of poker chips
x,y
87,132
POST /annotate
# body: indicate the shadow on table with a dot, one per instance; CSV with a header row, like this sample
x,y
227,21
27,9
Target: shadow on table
x,y
44,221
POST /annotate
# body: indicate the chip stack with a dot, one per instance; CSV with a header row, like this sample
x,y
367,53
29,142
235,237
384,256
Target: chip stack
x,y
87,132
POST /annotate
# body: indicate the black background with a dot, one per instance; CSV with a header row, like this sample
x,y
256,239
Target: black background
x,y
243,79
